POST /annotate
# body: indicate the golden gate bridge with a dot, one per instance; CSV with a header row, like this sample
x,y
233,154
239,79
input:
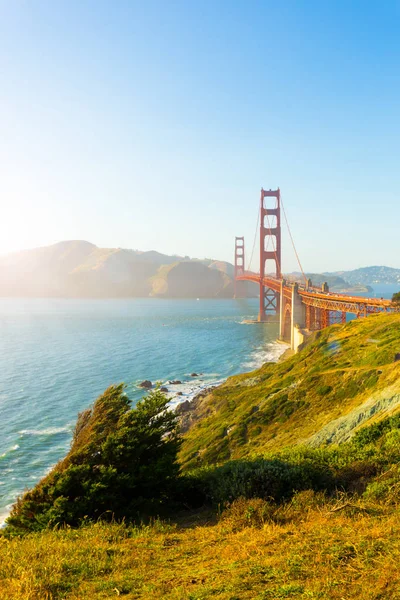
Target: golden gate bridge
x,y
298,306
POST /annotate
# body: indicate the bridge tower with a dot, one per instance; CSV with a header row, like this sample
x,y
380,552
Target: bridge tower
x,y
239,266
270,251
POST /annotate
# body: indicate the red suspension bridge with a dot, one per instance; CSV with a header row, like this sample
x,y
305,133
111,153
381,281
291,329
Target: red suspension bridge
x,y
297,305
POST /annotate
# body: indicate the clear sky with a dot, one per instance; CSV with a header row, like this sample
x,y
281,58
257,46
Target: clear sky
x,y
153,125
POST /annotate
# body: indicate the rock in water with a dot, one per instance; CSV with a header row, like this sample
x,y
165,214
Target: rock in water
x,y
193,375
146,384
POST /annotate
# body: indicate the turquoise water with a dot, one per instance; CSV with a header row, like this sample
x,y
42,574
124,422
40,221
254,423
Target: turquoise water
x,y
57,356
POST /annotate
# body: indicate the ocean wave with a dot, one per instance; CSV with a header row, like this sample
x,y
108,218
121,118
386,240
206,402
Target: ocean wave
x,y
268,353
191,387
4,513
13,449
3,517
47,431
187,390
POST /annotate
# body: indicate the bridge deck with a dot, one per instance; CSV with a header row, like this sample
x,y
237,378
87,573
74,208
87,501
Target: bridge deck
x,y
325,300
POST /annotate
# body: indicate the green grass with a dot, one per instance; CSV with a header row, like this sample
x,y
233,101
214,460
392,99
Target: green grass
x,y
286,403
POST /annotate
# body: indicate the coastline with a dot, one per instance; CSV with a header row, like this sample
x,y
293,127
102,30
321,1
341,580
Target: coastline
x,y
187,408
288,353
189,390
194,389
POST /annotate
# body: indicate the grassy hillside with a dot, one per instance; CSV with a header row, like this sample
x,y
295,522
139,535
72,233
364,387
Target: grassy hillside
x,y
344,377
365,275
297,465
314,549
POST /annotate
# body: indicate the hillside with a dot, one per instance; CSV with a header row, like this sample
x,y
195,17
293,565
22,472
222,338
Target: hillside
x,y
370,275
336,282
298,494
345,377
79,269
191,280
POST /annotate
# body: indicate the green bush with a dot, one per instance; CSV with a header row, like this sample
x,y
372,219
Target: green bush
x,y
396,298
372,433
324,390
243,513
273,479
122,464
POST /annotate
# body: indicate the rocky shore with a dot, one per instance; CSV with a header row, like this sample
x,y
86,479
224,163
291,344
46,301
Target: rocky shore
x,y
188,410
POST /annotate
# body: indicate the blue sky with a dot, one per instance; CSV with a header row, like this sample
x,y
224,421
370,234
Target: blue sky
x,y
153,125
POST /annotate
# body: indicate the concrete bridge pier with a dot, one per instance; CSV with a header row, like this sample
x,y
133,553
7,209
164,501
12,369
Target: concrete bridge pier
x,y
298,321
282,306
292,317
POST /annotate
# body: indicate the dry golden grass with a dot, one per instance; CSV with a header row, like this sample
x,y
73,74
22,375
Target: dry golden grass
x,y
310,548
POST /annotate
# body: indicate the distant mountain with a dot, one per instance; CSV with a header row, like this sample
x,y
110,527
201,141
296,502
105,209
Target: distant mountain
x,y
356,280
81,269
370,275
335,282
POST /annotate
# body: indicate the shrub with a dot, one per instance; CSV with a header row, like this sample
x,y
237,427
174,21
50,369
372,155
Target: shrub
x,y
372,433
355,477
386,491
273,479
396,298
323,390
242,513
122,464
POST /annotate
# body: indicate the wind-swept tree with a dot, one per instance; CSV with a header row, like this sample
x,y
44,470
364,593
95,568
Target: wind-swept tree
x,y
122,464
396,298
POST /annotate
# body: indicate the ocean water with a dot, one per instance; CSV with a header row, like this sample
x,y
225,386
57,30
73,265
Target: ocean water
x,y
382,290
58,355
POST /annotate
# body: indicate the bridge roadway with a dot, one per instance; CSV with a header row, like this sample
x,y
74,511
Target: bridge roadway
x,y
319,299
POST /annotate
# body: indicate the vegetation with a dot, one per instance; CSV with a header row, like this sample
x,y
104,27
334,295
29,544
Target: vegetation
x,y
266,503
310,547
396,298
344,378
122,464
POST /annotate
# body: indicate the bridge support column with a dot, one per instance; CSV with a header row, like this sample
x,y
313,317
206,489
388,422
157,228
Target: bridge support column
x,y
298,316
239,290
270,252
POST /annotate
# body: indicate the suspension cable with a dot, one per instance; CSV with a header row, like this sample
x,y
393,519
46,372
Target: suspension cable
x,y
293,244
254,241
